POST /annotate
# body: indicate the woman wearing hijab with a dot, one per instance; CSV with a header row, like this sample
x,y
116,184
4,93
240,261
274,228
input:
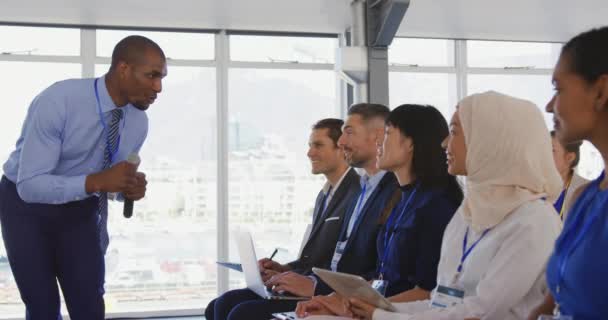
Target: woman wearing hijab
x,y
495,248
410,242
576,272
566,157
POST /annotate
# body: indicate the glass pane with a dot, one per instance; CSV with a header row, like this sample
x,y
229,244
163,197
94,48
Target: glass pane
x,y
176,45
164,257
272,191
23,89
39,41
421,52
283,49
436,89
538,89
500,54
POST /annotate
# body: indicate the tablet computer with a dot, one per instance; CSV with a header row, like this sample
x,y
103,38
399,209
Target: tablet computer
x,y
351,286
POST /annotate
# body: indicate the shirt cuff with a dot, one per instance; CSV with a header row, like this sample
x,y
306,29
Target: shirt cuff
x,y
314,283
75,188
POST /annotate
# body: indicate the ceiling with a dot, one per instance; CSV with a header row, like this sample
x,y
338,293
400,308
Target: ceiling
x,y
533,20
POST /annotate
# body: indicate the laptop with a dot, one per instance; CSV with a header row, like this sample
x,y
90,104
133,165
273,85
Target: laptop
x,y
253,278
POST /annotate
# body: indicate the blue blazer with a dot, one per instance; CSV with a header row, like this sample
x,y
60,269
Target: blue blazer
x,y
360,254
413,254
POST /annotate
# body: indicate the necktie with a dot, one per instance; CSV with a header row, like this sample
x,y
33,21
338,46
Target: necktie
x,y
102,208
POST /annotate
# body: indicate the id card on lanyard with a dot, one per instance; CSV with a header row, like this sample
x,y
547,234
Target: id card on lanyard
x,y
381,284
351,225
447,295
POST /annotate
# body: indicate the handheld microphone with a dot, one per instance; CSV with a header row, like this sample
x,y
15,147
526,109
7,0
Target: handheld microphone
x,y
128,206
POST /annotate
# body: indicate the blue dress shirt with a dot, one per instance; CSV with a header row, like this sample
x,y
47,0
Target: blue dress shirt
x,y
583,287
62,141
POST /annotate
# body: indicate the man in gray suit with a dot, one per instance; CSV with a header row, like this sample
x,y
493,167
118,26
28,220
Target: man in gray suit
x,y
332,204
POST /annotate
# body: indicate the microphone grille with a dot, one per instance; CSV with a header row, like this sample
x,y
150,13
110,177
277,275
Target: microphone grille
x,y
134,158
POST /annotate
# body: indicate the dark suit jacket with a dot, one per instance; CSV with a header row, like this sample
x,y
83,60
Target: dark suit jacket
x,y
319,248
360,254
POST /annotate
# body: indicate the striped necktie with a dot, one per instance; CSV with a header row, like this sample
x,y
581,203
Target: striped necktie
x,y
102,208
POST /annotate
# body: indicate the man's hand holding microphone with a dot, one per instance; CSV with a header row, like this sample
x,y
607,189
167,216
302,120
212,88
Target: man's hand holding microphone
x,y
122,177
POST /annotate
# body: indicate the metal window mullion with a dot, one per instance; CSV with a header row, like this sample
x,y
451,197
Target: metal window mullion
x,y
274,65
508,71
88,49
41,58
422,69
222,51
177,63
460,51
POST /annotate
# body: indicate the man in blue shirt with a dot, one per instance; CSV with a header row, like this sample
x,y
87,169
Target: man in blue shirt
x,y
71,153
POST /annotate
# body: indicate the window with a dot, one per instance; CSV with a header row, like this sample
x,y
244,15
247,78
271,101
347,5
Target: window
x,y
23,88
166,253
503,54
536,88
271,114
182,46
282,49
436,89
421,52
39,41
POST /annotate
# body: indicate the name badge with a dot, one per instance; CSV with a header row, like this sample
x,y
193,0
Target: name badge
x,y
446,297
337,255
380,286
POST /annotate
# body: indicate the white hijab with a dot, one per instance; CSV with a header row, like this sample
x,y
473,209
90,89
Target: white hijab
x,y
509,159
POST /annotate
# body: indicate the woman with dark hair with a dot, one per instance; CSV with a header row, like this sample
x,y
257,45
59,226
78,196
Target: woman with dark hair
x,y
566,158
496,246
576,272
409,244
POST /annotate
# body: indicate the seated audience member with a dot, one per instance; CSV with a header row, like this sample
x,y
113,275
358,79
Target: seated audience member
x,y
576,272
495,248
566,157
410,242
332,202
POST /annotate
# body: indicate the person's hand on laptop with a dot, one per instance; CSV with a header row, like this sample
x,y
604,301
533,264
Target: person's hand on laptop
x,y
293,283
268,274
268,264
332,305
361,309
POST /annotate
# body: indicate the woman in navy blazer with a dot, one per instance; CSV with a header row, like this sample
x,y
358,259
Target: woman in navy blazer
x,y
410,242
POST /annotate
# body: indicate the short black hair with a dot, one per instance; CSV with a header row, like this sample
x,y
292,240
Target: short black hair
x,y
588,54
427,128
132,48
574,147
333,126
369,111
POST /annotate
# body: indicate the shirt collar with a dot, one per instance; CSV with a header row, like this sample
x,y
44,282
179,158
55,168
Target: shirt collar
x,y
104,96
372,181
334,188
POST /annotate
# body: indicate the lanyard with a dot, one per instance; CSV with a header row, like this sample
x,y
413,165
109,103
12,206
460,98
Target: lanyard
x,y
465,251
392,229
111,152
579,217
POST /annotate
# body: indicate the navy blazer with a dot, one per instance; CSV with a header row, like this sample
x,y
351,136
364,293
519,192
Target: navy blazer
x,y
360,254
413,255
319,247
